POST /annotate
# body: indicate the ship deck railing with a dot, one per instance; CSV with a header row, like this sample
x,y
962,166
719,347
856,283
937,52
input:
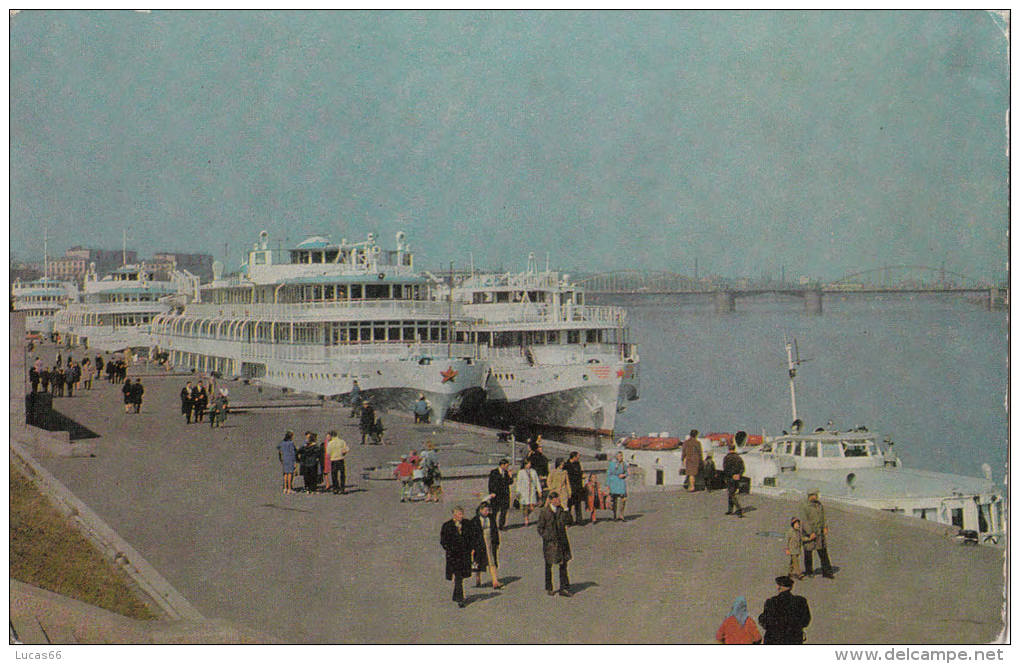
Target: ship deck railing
x,y
322,310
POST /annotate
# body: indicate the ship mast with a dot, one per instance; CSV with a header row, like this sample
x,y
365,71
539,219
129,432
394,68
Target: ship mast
x,y
46,255
792,365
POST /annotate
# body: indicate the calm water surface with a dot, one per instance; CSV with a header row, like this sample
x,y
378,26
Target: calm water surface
x,y
931,373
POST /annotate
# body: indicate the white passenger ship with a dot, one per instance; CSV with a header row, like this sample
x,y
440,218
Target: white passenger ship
x,y
41,299
552,360
328,315
115,312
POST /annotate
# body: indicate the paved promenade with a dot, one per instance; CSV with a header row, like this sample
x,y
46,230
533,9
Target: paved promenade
x,y
205,507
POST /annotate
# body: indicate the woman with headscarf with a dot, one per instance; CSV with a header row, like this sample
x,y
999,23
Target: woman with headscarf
x,y
738,627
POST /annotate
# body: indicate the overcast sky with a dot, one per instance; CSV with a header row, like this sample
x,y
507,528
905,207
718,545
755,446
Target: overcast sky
x,y
827,142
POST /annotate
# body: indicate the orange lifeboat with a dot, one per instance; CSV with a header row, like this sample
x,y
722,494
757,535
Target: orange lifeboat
x,y
754,440
663,444
638,442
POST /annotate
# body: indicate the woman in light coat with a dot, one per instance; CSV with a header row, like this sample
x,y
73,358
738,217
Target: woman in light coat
x,y
528,488
616,480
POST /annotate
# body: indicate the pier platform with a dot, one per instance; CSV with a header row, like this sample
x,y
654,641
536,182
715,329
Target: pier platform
x,y
205,507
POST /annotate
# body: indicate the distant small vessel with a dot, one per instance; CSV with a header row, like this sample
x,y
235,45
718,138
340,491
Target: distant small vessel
x,y
847,467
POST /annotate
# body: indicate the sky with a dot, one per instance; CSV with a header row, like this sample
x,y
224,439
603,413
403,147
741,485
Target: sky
x,y
822,143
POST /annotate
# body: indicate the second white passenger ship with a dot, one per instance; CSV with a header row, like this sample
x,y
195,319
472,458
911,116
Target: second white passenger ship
x,y
329,315
553,360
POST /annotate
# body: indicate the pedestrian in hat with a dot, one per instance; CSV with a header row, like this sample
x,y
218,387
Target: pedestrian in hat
x,y
733,470
816,532
486,545
457,541
794,547
785,615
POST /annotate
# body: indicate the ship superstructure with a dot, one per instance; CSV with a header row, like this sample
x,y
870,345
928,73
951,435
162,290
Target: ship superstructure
x,y
552,359
324,315
41,299
115,312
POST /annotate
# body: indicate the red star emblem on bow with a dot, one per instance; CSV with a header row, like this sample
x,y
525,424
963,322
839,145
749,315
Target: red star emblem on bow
x,y
619,373
448,375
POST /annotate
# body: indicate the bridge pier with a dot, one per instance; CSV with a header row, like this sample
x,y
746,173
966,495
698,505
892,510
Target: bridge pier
x,y
725,302
813,301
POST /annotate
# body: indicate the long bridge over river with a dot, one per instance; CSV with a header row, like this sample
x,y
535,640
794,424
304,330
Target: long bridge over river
x,y
663,286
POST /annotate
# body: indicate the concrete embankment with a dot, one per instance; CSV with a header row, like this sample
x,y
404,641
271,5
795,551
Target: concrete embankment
x,y
205,507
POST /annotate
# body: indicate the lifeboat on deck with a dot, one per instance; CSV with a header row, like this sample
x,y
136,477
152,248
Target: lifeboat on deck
x,y
719,439
651,443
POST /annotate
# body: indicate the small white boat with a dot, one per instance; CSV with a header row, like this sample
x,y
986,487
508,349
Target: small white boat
x,y
848,467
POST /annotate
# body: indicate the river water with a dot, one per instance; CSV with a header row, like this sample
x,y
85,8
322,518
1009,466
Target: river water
x,y
930,372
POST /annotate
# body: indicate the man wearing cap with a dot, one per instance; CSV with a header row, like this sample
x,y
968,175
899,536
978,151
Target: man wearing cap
x,y
500,481
785,615
816,530
552,527
733,470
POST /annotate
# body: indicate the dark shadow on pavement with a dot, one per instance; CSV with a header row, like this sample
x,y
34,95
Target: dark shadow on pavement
x,y
576,588
471,599
507,580
39,412
286,509
632,517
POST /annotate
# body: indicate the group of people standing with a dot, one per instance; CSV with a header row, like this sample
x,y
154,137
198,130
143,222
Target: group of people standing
x,y
133,395
320,464
419,475
195,403
60,380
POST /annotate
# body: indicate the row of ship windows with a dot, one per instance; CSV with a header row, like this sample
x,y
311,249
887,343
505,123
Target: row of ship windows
x,y
336,333
117,320
325,293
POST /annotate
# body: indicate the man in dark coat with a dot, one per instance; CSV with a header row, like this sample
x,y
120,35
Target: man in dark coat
x,y
136,395
458,541
576,478
309,457
44,379
733,470
187,404
367,422
552,527
539,461
486,545
785,615
33,377
500,481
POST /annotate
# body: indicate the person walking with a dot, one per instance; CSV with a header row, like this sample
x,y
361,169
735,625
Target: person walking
x,y
201,401
288,456
708,472
187,402
528,488
500,481
137,390
367,422
337,450
559,482
458,543
575,478
738,628
355,399
539,461
99,366
616,479
596,497
308,456
733,470
33,378
88,372
552,528
486,546
690,455
816,532
44,379
127,392
433,476
794,547
785,615
59,378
